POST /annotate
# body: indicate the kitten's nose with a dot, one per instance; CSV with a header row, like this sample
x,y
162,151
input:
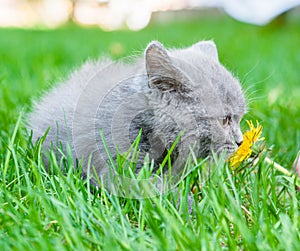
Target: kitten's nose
x,y
239,143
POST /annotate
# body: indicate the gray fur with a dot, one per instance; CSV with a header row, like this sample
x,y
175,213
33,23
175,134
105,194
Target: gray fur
x,y
167,92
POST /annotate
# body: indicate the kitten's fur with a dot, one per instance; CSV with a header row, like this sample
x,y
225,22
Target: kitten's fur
x,y
167,92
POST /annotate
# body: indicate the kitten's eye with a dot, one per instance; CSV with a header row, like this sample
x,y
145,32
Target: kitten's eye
x,y
225,121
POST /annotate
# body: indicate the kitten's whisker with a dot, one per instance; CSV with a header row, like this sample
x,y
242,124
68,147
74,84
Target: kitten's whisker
x,y
250,71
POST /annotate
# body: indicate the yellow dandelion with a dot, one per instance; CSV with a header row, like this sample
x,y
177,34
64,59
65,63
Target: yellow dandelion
x,y
248,146
244,151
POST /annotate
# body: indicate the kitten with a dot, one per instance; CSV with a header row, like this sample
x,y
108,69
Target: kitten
x,y
165,93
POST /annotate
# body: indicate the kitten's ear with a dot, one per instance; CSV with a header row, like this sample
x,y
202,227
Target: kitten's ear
x,y
207,47
162,74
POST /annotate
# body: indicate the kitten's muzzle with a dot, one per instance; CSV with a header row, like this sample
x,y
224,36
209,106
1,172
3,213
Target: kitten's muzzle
x,y
239,143
229,148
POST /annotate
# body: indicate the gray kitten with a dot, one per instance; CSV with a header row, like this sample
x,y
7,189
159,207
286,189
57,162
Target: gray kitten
x,y
165,93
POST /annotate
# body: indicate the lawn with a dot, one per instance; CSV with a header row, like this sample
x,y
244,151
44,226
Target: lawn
x,y
257,209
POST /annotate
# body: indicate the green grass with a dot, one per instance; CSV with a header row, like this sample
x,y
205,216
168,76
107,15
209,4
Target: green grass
x,y
255,209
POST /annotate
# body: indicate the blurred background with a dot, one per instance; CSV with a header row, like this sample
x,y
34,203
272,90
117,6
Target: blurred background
x,y
131,14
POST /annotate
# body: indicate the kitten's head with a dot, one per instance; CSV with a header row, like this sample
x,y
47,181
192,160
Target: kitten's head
x,y
193,92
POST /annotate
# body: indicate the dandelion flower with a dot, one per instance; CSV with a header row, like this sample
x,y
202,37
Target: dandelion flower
x,y
244,151
250,146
